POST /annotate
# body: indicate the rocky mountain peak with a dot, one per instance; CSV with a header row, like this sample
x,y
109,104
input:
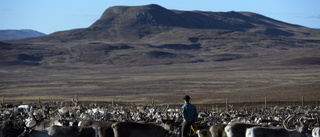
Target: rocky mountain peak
x,y
124,16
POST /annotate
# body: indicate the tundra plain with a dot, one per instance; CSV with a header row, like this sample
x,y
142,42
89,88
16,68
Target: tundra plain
x,y
245,81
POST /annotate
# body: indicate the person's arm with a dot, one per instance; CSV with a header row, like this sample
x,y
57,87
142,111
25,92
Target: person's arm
x,y
195,116
184,113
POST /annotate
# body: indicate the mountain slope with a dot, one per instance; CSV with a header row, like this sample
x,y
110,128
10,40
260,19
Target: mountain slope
x,y
151,34
123,23
19,34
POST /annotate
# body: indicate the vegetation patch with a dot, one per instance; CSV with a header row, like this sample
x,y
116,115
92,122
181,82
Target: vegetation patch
x,y
161,54
29,57
181,46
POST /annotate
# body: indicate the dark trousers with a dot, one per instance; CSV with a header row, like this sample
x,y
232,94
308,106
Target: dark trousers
x,y
185,129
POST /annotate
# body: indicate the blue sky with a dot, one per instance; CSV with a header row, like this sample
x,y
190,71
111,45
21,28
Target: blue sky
x,y
49,16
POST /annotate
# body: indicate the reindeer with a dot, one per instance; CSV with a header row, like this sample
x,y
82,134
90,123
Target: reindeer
x,y
266,132
218,130
10,128
272,132
276,132
132,129
58,131
45,123
237,129
105,131
203,133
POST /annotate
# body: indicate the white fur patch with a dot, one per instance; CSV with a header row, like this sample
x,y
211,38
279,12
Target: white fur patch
x,y
57,123
249,132
96,130
50,131
79,124
316,132
227,129
30,122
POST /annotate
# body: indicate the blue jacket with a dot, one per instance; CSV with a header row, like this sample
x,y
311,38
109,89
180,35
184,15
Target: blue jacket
x,y
189,113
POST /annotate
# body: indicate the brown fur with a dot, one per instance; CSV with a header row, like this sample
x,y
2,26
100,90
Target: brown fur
x,y
204,133
57,131
35,133
92,123
295,133
104,127
10,128
106,131
45,123
218,130
131,129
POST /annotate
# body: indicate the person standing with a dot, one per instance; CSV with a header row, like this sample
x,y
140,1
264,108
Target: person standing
x,y
189,114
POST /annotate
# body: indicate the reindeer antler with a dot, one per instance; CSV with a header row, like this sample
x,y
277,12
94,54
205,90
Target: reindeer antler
x,y
75,100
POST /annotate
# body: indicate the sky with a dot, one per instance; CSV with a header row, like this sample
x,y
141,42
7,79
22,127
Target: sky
x,y
48,16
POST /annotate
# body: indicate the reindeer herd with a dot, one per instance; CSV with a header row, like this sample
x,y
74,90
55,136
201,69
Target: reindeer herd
x,y
72,119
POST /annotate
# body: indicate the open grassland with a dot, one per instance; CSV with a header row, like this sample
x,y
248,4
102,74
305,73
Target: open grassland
x,y
242,81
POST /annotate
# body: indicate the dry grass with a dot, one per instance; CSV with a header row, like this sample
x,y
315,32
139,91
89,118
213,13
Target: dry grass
x,y
248,80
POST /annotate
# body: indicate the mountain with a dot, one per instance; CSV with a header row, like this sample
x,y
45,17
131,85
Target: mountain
x,y
19,34
139,23
151,34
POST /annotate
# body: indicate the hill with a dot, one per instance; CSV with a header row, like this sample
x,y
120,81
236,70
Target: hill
x,y
140,23
126,35
153,52
19,34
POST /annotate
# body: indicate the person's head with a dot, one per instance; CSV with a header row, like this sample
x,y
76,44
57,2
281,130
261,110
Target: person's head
x,y
186,98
